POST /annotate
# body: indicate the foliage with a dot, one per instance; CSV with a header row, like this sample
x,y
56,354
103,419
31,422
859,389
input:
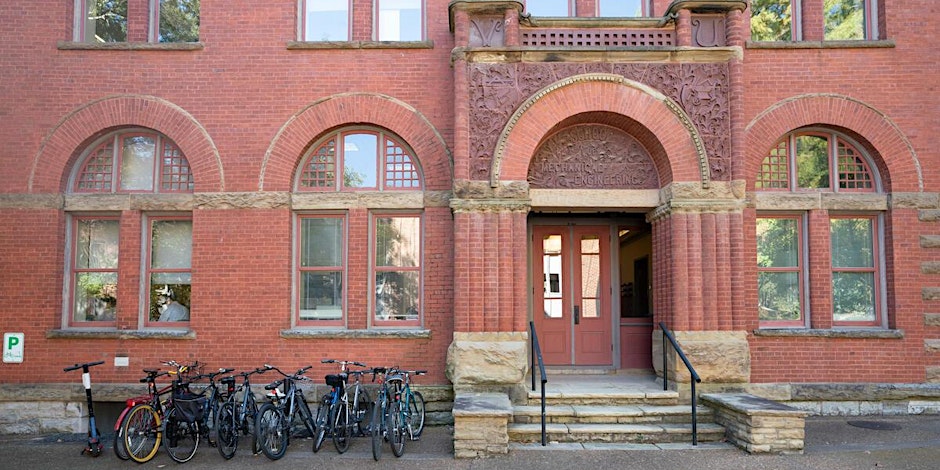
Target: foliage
x,y
179,20
777,247
770,20
812,161
844,19
110,20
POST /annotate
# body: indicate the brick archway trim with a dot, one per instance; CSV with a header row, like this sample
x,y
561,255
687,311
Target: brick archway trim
x,y
50,167
838,110
601,92
283,154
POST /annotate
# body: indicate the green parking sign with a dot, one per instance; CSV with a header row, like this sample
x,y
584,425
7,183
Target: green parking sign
x,y
13,347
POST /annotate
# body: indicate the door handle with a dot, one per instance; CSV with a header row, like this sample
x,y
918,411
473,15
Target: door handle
x,y
577,315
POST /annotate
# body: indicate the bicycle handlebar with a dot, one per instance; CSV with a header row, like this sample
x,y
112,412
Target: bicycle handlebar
x,y
82,366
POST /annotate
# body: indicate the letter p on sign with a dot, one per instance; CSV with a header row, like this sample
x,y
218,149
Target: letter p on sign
x,y
13,347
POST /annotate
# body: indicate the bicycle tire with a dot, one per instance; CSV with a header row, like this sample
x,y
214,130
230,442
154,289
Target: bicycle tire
x,y
416,415
180,438
322,422
226,431
395,428
142,433
120,448
339,416
377,429
272,432
363,413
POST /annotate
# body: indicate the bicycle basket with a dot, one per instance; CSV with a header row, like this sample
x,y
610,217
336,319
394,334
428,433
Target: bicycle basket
x,y
336,380
191,408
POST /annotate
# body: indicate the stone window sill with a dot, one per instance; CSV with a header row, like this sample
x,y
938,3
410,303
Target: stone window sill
x,y
304,45
129,46
885,43
309,333
95,333
837,333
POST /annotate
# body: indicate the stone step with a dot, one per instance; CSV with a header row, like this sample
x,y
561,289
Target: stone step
x,y
625,414
626,397
633,433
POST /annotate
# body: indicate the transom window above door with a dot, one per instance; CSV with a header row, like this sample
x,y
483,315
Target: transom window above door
x,y
359,159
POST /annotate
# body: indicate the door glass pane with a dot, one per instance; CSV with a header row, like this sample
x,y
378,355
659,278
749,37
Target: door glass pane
x,y
552,277
590,276
779,296
777,243
770,20
853,296
137,162
327,20
321,296
321,242
852,242
812,161
360,160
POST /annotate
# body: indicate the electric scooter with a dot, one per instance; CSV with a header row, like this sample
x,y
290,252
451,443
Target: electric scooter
x,y
94,436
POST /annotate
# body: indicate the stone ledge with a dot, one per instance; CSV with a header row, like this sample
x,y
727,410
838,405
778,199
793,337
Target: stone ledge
x,y
120,334
872,333
759,425
481,424
301,333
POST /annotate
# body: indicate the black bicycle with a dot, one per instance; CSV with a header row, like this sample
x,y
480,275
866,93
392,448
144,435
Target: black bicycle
x,y
237,414
348,407
214,399
273,423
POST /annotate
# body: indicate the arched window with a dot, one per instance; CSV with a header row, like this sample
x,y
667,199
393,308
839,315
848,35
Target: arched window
x,y
844,266
134,161
333,236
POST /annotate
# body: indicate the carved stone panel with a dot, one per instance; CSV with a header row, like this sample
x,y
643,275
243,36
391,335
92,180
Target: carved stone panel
x,y
487,32
592,156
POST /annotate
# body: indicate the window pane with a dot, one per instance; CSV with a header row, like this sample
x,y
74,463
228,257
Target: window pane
x,y
400,20
321,242
622,8
777,243
778,296
844,19
812,161
771,20
172,244
168,300
97,244
106,21
852,242
320,170
590,276
853,297
179,21
95,297
137,160
547,7
360,160
551,276
321,295
396,295
327,20
397,241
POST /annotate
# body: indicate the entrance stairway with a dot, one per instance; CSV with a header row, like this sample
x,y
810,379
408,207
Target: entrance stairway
x,y
609,408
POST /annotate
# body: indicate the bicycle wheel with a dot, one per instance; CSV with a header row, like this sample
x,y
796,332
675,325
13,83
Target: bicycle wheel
x,y
322,422
226,430
120,448
363,416
181,439
340,418
377,428
416,415
272,431
141,433
395,428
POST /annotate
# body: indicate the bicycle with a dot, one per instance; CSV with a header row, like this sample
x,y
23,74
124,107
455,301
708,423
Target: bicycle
x,y
379,412
94,446
141,423
237,417
405,410
273,423
214,398
185,413
343,414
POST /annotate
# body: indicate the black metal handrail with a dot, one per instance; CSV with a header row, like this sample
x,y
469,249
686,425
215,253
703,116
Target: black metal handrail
x,y
537,355
695,378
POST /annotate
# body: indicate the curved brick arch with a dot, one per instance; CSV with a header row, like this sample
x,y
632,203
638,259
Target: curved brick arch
x,y
285,151
51,165
896,159
684,159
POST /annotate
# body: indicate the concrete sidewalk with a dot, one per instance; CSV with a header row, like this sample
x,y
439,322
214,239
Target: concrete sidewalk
x,y
907,442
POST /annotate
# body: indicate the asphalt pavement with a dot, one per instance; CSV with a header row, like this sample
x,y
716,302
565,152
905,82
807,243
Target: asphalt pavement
x,y
905,442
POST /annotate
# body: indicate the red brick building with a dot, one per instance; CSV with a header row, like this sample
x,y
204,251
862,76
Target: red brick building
x,y
761,178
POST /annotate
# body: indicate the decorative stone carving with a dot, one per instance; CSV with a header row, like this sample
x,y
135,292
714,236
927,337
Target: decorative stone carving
x,y
592,157
701,89
487,32
708,31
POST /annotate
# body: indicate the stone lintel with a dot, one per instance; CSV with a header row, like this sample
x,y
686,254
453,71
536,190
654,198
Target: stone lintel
x,y
594,199
930,267
810,201
658,54
930,241
930,293
31,201
932,319
914,201
932,215
112,202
